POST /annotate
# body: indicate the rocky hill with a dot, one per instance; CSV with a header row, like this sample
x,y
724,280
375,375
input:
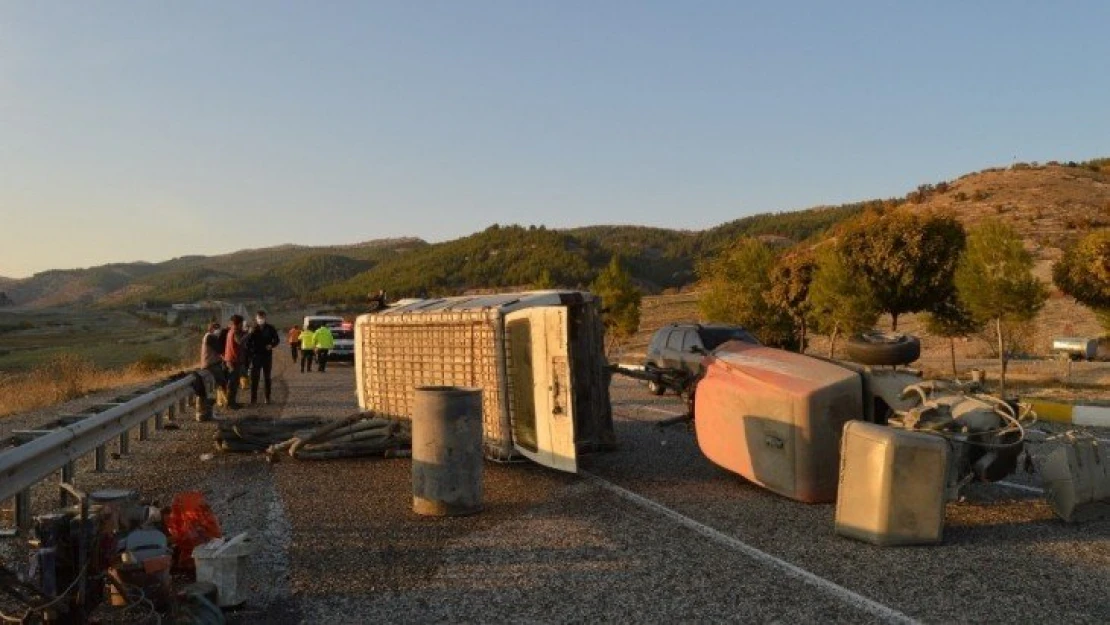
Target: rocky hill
x,y
1052,205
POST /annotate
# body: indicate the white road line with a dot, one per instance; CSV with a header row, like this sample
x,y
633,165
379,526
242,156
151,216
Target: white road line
x,y
634,407
1016,486
854,599
660,411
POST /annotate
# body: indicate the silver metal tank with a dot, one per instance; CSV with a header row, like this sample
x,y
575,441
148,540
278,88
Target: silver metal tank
x,y
1076,347
447,451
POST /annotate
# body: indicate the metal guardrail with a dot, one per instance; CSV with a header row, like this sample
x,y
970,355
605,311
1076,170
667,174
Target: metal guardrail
x,y
38,454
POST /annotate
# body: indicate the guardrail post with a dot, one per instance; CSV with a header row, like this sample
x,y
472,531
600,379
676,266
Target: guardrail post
x,y
144,429
101,459
158,420
171,412
23,509
125,443
68,471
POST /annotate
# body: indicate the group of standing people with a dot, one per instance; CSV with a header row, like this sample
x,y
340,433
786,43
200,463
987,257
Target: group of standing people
x,y
229,353
311,343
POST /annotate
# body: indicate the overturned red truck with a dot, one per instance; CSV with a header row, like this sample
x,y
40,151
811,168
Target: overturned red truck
x,y
889,447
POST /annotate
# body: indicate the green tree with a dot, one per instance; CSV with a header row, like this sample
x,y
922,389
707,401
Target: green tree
x,y
544,282
789,290
734,284
908,260
951,319
1084,273
994,278
840,302
621,302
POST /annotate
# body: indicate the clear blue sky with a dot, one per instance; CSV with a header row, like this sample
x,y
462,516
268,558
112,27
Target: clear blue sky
x,y
148,130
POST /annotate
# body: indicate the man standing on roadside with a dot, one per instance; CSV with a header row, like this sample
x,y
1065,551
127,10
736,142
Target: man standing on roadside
x,y
211,360
260,343
211,351
294,340
234,360
324,342
308,348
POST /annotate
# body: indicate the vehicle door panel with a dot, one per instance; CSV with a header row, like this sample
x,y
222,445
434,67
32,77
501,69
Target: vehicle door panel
x,y
543,406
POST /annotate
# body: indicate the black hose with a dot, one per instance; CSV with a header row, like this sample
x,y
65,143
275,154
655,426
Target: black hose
x,y
356,435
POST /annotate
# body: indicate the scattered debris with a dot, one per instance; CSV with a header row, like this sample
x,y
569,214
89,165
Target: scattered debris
x,y
110,557
782,420
360,434
254,434
1077,478
357,435
222,563
190,522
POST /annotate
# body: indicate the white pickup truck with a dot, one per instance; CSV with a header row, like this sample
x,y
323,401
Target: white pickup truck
x,y
341,330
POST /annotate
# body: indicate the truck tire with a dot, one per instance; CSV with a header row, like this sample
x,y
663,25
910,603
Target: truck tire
x,y
883,348
654,388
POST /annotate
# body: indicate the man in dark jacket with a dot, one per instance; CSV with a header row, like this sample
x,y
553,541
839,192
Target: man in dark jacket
x,y
260,342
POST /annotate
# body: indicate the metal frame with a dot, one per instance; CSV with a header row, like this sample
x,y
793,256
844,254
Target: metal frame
x,y
48,452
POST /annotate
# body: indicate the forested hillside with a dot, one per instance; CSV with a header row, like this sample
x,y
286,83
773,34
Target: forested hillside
x,y
1050,204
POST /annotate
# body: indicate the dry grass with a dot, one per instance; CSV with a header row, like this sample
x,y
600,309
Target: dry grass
x,y
62,379
657,311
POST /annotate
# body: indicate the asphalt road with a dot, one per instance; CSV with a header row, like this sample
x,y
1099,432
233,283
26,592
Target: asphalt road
x,y
650,532
655,532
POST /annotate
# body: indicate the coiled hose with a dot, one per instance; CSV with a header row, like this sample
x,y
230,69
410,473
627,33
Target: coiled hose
x,y
313,438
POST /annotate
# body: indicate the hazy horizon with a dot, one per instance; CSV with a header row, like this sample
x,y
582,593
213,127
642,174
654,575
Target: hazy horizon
x,y
132,131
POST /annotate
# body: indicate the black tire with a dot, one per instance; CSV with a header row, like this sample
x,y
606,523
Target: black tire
x,y
883,348
654,388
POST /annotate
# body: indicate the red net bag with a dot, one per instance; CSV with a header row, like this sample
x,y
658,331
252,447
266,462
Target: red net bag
x,y
190,523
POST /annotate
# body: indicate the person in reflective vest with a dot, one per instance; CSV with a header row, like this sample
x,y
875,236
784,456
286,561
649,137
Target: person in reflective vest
x,y
308,348
324,342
